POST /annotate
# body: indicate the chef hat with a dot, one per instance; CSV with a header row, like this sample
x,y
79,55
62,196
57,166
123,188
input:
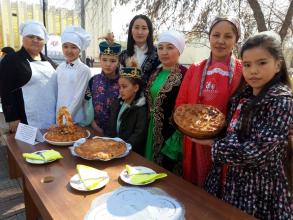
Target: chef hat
x,y
173,37
77,36
33,28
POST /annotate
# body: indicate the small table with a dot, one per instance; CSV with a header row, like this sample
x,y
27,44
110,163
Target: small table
x,y
57,200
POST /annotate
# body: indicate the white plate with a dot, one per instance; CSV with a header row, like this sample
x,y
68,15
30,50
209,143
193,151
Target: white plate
x,y
126,178
39,161
77,184
65,143
83,140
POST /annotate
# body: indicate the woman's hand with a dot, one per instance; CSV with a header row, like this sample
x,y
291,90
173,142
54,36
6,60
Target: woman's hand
x,y
13,126
97,128
207,142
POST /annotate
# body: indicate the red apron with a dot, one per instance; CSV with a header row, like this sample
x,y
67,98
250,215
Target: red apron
x,y
215,89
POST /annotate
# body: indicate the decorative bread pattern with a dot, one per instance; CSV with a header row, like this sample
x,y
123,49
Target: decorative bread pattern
x,y
199,121
99,148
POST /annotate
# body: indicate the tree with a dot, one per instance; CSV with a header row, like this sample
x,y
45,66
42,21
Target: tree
x,y
256,15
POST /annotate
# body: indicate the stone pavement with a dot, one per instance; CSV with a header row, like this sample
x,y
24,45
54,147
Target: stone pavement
x,y
11,195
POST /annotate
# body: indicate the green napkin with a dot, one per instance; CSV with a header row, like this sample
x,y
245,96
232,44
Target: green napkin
x,y
46,155
89,176
146,178
141,178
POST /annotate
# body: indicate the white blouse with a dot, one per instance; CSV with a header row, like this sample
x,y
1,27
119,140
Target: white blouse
x,y
140,54
72,80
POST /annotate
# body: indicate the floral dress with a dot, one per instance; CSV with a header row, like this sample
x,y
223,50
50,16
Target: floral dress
x,y
104,91
256,182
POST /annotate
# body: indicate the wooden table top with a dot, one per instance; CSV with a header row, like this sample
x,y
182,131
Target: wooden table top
x,y
57,200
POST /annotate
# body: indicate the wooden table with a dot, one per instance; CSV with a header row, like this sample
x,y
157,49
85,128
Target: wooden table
x,y
57,200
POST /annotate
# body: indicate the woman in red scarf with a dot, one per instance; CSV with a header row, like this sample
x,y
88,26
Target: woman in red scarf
x,y
210,82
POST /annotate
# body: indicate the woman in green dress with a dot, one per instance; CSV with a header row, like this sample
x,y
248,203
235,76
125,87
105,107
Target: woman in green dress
x,y
163,145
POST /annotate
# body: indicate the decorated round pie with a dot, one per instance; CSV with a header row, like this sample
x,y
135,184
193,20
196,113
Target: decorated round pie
x,y
199,121
99,148
65,132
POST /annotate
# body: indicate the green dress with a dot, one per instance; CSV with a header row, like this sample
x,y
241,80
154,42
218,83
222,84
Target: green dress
x,y
155,88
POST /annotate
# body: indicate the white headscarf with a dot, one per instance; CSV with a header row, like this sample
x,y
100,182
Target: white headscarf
x,y
76,36
173,37
33,28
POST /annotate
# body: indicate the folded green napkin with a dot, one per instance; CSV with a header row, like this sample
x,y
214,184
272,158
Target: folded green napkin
x,y
45,156
137,177
89,176
146,178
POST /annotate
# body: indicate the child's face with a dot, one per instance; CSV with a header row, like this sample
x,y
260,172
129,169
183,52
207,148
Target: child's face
x,y
127,90
259,67
109,64
222,40
168,54
70,51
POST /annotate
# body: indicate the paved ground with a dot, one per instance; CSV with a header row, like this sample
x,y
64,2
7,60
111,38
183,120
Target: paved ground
x,y
11,195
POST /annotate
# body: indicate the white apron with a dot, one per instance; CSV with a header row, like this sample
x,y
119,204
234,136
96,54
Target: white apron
x,y
40,95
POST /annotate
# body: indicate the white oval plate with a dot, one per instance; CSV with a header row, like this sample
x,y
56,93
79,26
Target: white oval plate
x,y
77,184
126,178
38,161
66,143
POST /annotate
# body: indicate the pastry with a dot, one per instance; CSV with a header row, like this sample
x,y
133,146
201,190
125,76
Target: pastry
x,y
198,120
100,148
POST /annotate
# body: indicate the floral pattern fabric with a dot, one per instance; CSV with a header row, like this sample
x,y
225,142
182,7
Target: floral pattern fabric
x,y
104,92
256,180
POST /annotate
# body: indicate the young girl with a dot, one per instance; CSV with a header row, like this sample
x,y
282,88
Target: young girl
x,y
73,75
128,118
104,87
255,146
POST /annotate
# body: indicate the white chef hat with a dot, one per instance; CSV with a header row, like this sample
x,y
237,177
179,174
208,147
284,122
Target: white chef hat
x,y
77,36
33,28
173,37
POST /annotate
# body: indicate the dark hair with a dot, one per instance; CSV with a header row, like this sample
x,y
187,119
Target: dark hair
x,y
274,47
130,40
7,50
135,81
233,21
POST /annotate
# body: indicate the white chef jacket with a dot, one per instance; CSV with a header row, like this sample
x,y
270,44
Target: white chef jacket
x,y
72,80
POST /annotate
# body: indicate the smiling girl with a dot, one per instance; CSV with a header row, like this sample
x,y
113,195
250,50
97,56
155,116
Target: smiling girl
x,y
73,75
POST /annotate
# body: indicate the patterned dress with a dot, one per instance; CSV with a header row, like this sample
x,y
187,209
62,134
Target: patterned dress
x,y
104,91
256,182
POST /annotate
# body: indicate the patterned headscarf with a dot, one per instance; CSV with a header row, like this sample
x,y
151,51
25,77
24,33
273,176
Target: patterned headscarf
x,y
233,20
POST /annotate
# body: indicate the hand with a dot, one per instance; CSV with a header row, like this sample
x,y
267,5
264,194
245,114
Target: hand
x,y
207,142
13,126
97,128
291,130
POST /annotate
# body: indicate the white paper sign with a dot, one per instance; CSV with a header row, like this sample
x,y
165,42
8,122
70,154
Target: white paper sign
x,y
28,134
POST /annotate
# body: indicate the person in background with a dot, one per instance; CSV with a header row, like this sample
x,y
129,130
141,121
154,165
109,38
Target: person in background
x,y
161,93
104,87
5,51
128,119
73,75
140,45
256,142
28,81
210,82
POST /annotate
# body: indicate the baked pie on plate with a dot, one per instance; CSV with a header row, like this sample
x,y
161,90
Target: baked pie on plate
x,y
65,134
199,121
101,148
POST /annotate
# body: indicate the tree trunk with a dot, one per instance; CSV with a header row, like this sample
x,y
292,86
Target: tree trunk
x,y
258,15
287,21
